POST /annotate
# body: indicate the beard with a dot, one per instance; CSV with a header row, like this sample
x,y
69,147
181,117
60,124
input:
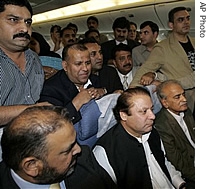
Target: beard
x,y
51,175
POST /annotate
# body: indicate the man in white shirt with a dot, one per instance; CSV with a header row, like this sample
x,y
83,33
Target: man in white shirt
x,y
176,126
122,60
131,151
68,37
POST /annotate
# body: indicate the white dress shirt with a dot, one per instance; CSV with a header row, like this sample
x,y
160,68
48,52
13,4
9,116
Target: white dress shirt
x,y
129,77
182,124
124,42
158,178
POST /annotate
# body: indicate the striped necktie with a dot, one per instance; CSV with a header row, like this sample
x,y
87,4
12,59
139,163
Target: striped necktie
x,y
125,82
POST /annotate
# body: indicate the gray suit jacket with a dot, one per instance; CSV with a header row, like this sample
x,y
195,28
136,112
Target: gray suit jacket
x,y
179,151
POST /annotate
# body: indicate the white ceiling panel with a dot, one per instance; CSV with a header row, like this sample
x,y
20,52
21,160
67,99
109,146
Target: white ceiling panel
x,y
40,6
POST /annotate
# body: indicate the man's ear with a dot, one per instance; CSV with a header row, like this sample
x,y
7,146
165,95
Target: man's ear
x,y
32,166
170,25
64,64
123,116
164,103
156,35
114,62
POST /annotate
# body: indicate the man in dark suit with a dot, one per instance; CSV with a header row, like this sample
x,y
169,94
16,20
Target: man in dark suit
x,y
120,28
47,153
176,126
75,88
108,76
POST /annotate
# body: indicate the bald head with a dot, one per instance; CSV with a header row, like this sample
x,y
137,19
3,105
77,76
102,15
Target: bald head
x,y
26,134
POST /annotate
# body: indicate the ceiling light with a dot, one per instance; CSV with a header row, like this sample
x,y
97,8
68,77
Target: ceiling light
x,y
80,9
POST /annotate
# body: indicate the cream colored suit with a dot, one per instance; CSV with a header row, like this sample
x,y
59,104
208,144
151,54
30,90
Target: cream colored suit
x,y
169,57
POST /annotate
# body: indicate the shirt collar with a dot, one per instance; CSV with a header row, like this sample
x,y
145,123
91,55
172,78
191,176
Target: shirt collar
x,y
177,117
25,184
85,85
124,42
121,75
144,138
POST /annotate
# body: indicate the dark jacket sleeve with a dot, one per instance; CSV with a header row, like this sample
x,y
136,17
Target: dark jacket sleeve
x,y
60,92
88,173
110,79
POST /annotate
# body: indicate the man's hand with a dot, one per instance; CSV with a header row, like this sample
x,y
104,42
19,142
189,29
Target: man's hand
x,y
147,78
49,71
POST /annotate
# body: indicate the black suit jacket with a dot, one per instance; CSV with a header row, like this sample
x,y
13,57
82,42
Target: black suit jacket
x,y
87,174
107,47
110,79
60,91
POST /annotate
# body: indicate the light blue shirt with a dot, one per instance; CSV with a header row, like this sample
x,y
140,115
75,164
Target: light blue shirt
x,y
23,184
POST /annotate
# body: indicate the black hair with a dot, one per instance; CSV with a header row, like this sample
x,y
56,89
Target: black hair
x,y
124,102
26,135
173,11
91,30
120,47
64,29
88,40
133,23
44,46
92,18
71,25
53,28
21,3
121,22
154,27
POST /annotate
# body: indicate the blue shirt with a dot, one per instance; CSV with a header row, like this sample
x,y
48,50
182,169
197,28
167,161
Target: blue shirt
x,y
17,87
23,184
51,62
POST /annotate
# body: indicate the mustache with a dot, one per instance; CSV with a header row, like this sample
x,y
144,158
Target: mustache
x,y
70,40
127,65
26,35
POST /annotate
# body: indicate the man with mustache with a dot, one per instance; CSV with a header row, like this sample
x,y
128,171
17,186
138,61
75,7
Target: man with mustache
x,y
176,127
68,37
47,153
21,73
93,24
120,28
108,76
122,60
